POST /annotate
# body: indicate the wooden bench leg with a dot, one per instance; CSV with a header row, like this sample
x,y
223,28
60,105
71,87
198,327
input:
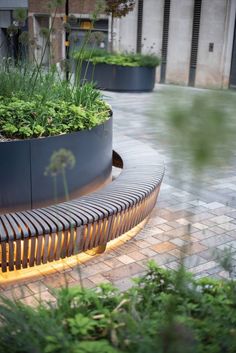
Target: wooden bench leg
x,y
98,250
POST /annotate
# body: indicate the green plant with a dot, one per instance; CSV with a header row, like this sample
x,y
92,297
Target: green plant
x,y
35,102
164,312
124,59
226,259
60,161
20,15
25,119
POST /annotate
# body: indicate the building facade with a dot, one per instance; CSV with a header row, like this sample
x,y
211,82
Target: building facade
x,y
80,13
8,40
196,39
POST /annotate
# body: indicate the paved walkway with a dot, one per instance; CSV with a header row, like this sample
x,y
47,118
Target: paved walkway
x,y
208,206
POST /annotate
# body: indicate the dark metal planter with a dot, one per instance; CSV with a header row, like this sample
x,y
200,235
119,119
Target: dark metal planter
x,y
119,78
23,184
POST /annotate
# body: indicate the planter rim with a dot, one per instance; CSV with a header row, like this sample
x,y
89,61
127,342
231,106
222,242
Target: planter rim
x,y
118,65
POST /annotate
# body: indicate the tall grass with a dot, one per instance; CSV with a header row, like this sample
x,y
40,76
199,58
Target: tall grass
x,y
49,101
16,81
32,81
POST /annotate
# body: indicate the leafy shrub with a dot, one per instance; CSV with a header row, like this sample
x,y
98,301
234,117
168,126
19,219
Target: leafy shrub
x,y
40,100
124,59
22,119
163,312
52,107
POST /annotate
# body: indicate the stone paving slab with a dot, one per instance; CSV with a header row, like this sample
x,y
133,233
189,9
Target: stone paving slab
x,y
190,219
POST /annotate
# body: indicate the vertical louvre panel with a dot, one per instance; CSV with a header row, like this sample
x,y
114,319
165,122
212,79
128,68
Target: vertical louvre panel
x,y
140,26
233,62
165,37
195,39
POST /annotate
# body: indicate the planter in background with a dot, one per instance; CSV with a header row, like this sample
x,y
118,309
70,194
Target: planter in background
x,y
23,184
119,78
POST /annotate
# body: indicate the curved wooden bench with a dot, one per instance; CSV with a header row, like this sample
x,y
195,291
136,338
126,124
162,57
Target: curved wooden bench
x,y
37,236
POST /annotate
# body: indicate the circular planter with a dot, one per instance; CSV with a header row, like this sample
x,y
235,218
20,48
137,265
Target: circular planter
x,y
23,183
119,78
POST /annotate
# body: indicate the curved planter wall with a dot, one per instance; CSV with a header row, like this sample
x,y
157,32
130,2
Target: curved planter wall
x,y
119,78
23,184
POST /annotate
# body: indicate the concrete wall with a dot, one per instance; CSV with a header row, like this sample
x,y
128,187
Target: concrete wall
x,y
126,28
126,32
213,29
179,45
152,26
153,29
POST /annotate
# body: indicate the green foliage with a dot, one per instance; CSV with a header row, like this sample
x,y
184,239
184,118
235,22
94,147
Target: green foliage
x,y
124,59
164,312
20,15
36,100
119,8
52,107
226,259
24,119
24,38
44,32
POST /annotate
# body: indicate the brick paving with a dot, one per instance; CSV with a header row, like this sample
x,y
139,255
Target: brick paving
x,y
209,206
